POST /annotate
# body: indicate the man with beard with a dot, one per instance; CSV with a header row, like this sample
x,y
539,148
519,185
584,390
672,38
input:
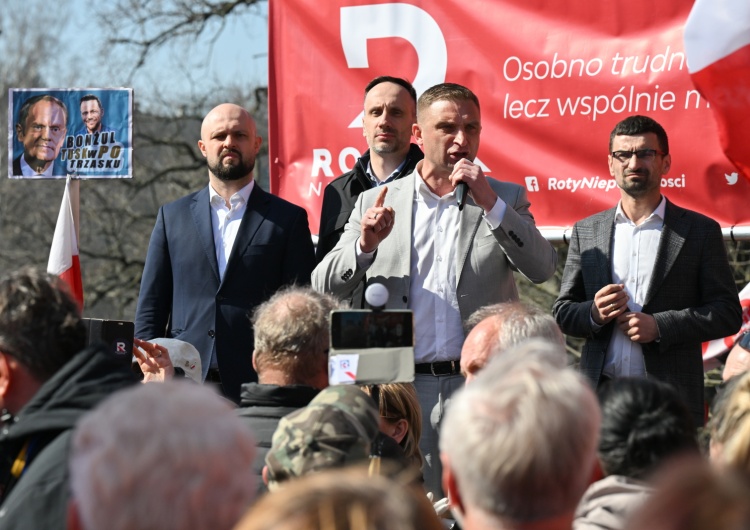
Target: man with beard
x,y
216,254
647,282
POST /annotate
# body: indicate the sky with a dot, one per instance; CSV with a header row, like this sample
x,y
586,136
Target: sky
x,y
239,56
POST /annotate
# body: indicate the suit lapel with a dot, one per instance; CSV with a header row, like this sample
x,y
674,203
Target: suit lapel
x,y
603,232
469,219
673,236
255,213
200,209
403,204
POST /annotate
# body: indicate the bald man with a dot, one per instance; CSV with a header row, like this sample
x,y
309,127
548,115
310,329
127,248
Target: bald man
x,y
216,254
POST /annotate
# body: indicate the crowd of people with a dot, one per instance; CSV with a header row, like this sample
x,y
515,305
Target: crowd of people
x,y
232,423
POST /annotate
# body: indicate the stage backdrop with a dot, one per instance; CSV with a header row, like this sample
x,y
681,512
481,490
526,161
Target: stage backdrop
x,y
552,78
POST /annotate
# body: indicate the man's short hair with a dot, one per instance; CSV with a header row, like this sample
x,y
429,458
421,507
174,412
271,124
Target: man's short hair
x,y
171,455
292,332
637,125
521,439
40,325
445,92
518,322
23,113
92,97
396,81
644,421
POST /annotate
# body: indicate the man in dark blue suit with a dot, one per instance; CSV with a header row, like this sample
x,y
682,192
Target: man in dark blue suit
x,y
217,253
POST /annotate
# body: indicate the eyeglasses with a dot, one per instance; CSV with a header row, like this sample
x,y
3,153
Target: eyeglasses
x,y
642,154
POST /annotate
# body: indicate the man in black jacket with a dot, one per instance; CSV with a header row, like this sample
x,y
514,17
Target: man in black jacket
x,y
291,359
390,111
47,381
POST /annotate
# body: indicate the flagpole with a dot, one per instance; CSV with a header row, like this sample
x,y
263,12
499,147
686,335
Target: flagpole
x,y
74,183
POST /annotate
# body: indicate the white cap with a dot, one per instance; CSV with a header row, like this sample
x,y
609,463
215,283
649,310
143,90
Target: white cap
x,y
183,355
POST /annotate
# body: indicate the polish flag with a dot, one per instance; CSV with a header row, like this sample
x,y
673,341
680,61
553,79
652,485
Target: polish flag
x,y
716,347
63,256
717,45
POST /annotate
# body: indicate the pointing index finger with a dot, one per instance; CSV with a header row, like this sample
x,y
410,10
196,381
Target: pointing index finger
x,y
381,197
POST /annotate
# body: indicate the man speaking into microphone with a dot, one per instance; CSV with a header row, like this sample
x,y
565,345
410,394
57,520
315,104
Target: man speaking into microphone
x,y
441,262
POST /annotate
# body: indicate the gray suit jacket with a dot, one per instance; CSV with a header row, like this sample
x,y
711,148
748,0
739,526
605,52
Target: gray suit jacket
x,y
692,296
486,258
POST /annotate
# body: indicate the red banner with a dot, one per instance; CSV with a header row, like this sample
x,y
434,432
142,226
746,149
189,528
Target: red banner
x,y
553,78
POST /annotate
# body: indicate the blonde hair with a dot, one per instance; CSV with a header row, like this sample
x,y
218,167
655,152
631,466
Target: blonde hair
x,y
731,425
342,499
398,401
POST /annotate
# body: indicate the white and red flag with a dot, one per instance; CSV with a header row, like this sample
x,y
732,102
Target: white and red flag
x,y
63,255
717,45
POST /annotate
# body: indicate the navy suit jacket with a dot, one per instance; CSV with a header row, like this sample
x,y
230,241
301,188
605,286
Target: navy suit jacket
x,y
181,295
692,296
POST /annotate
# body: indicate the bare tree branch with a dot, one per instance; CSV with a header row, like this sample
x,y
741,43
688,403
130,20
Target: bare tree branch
x,y
146,26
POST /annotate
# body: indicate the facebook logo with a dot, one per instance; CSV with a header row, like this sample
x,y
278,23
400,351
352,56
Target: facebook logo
x,y
532,184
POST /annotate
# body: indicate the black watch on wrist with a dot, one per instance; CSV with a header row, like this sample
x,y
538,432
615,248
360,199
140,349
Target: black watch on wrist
x,y
744,340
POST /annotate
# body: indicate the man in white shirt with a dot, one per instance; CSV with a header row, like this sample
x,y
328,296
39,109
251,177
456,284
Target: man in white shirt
x,y
647,282
216,254
441,261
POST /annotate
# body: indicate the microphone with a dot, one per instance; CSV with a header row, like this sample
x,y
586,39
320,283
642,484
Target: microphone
x,y
376,296
462,189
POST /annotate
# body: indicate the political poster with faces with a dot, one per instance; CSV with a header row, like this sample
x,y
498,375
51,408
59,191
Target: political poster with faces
x,y
56,133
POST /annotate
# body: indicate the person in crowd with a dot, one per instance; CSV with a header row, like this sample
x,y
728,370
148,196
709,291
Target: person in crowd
x,y
336,429
646,282
390,111
161,457
644,423
730,426
48,380
519,443
163,359
692,495
738,359
435,256
291,359
92,113
400,416
216,254
496,328
343,499
41,126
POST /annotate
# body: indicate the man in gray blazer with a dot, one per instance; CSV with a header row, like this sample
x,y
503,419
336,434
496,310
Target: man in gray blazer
x,y
436,258
647,282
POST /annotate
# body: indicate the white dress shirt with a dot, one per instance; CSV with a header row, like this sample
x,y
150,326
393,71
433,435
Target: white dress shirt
x,y
633,256
439,333
225,222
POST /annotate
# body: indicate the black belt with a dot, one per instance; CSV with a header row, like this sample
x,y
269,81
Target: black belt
x,y
213,376
439,368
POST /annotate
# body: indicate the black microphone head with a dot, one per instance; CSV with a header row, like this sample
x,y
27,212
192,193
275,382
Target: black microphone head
x,y
461,190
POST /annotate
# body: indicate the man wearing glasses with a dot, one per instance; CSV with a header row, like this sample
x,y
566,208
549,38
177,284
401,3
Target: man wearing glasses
x,y
646,282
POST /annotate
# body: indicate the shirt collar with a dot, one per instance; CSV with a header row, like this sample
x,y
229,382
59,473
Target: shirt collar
x,y
658,213
240,197
393,174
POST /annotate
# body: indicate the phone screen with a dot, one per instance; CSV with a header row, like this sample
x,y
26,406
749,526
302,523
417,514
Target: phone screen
x,y
371,329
